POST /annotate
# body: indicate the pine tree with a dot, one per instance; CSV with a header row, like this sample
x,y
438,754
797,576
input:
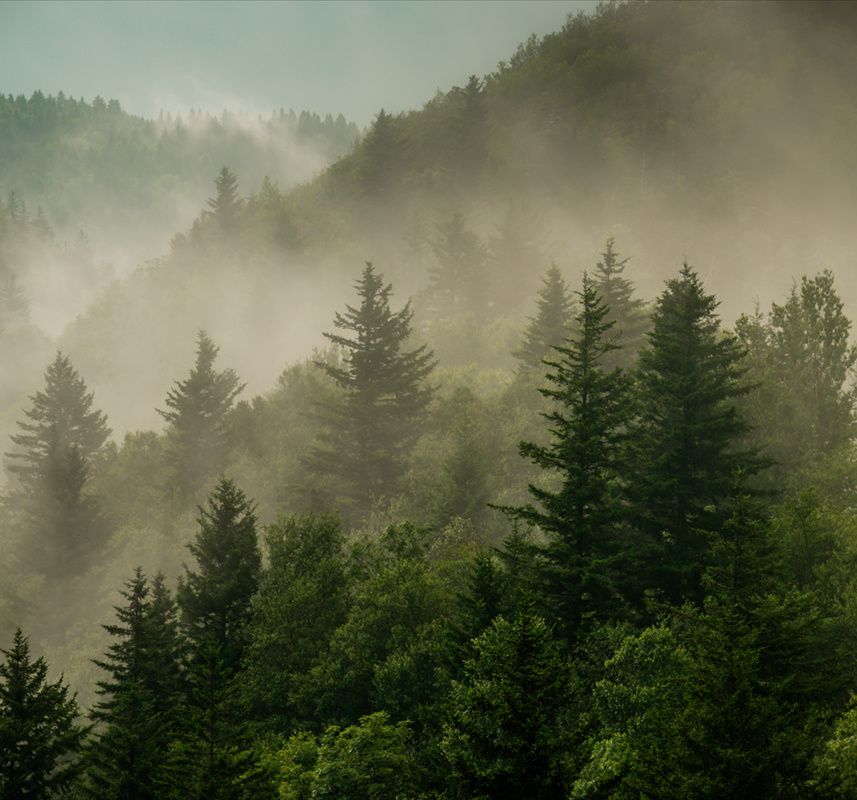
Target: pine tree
x,y
582,518
373,423
687,443
552,324
40,738
215,599
197,412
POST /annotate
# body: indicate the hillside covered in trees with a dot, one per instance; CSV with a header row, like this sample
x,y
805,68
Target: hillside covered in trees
x,y
512,455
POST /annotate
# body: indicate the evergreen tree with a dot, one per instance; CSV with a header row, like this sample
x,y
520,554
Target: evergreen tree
x,y
552,324
382,154
472,130
512,731
197,412
226,204
459,282
761,679
687,443
581,519
61,419
215,600
372,425
139,697
39,737
58,528
627,311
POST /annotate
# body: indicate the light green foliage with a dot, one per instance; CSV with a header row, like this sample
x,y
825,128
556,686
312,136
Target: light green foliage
x,y
802,357
368,760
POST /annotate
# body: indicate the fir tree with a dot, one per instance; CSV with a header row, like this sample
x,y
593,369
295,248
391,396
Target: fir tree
x,y
582,518
139,697
215,599
226,204
40,739
384,396
628,312
197,412
552,324
687,442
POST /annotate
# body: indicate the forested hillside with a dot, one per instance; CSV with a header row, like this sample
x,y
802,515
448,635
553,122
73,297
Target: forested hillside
x,y
510,456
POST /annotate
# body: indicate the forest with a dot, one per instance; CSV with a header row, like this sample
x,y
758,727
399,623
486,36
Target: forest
x,y
509,451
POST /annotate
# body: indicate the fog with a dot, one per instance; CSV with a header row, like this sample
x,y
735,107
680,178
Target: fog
x,y
726,152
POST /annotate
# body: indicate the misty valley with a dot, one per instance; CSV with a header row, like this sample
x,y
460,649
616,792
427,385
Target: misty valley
x,y
504,449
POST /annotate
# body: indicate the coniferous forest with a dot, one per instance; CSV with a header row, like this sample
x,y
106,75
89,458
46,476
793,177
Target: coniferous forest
x,y
507,451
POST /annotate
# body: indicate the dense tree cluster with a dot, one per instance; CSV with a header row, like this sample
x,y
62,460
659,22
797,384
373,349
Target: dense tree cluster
x,y
502,540
651,617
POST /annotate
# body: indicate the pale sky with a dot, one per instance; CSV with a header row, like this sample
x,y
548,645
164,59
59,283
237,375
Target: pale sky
x,y
327,56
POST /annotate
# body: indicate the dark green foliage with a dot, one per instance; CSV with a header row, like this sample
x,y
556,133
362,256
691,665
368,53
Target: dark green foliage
x,y
761,678
138,709
197,412
215,598
552,324
303,598
385,395
582,518
40,739
210,758
687,445
513,732
626,311
382,155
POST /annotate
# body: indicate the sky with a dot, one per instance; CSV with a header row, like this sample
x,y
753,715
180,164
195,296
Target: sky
x,y
351,57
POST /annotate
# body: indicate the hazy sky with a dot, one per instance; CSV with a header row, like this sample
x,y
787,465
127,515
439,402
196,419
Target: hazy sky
x,y
329,57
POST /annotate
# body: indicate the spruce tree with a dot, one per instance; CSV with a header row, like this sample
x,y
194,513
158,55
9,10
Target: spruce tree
x,y
372,424
552,324
627,311
139,697
582,518
459,282
40,738
513,729
687,443
58,528
197,412
226,205
215,598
